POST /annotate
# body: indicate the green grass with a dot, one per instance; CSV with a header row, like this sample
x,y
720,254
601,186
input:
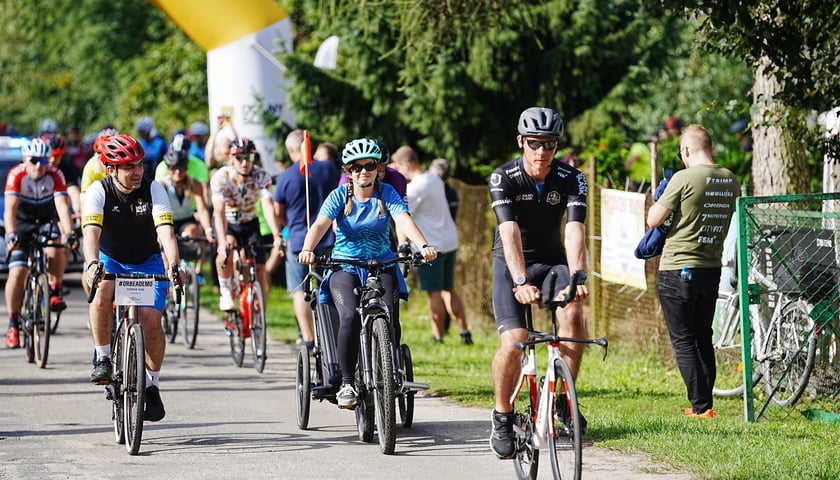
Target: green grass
x,y
633,401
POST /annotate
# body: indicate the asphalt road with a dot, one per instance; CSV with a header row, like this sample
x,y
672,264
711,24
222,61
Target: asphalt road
x,y
226,422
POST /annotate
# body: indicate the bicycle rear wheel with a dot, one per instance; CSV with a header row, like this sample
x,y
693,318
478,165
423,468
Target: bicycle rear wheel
x,y
364,407
189,307
170,320
406,399
233,325
134,388
385,391
526,460
564,439
41,320
258,332
303,385
791,348
728,345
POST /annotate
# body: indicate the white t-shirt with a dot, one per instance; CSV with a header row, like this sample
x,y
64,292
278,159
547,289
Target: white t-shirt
x,y
430,211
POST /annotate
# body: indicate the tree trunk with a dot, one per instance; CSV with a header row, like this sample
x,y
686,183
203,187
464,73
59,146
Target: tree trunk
x,y
780,162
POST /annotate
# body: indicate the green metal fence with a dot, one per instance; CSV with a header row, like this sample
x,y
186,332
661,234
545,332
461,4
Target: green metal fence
x,y
788,272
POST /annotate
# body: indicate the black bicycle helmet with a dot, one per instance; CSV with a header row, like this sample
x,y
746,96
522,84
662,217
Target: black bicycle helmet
x,y
241,146
178,153
540,122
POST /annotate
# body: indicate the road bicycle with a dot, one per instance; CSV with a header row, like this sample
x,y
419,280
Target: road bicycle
x,y
384,377
247,319
549,414
35,321
186,313
127,388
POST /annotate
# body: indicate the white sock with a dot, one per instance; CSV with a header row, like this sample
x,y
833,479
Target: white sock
x,y
103,351
152,378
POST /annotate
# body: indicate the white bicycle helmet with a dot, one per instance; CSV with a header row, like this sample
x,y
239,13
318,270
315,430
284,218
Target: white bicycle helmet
x,y
540,122
37,148
359,149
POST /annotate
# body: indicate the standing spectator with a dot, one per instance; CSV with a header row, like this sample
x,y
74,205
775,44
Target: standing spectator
x,y
440,167
153,145
198,133
430,211
328,151
529,196
702,198
290,207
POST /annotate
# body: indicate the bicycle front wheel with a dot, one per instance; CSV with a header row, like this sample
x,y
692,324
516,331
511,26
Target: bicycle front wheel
x,y
564,437
189,307
789,354
115,387
258,332
134,388
41,320
383,376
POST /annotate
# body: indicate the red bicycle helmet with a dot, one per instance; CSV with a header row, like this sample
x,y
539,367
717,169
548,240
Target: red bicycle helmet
x,y
242,146
121,149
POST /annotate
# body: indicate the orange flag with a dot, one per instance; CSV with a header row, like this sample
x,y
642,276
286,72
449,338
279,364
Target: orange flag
x,y
305,153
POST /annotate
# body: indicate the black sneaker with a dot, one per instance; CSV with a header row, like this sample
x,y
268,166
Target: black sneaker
x,y
154,405
466,337
101,373
502,439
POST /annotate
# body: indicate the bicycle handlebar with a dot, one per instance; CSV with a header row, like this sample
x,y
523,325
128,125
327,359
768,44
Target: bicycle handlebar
x,y
99,275
374,266
578,278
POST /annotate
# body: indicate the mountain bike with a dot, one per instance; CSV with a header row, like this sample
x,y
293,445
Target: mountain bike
x,y
127,388
550,412
186,313
384,374
35,310
248,320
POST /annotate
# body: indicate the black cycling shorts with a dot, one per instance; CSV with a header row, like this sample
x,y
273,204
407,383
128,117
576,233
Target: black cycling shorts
x,y
248,233
509,313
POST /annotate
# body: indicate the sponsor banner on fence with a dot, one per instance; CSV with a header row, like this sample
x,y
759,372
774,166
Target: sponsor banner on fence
x,y
622,226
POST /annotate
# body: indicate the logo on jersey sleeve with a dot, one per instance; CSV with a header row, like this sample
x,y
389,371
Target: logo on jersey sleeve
x,y
553,197
495,179
92,218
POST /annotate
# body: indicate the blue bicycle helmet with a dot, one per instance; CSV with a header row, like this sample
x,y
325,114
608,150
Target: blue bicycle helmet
x,y
540,122
359,149
36,148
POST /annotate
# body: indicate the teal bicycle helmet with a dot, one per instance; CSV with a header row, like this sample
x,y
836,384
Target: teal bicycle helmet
x,y
359,149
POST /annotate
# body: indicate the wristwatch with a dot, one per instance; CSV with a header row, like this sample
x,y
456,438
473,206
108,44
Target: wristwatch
x,y
520,280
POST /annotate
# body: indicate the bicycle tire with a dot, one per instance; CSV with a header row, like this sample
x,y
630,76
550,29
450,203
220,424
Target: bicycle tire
x,y
41,321
237,343
56,317
115,386
385,392
790,352
303,386
134,388
256,304
565,436
170,321
406,399
364,407
27,312
190,307
729,381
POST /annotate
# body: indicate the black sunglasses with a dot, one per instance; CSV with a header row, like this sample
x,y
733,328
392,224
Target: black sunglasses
x,y
38,160
245,157
358,167
546,144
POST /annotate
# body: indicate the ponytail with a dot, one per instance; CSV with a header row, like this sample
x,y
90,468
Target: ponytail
x,y
348,207
379,194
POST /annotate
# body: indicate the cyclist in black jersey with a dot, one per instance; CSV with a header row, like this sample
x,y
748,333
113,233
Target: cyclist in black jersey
x,y
529,196
125,215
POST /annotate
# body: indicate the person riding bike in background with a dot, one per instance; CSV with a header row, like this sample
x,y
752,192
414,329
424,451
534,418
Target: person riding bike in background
x,y
235,189
36,203
529,196
190,215
361,211
196,169
125,216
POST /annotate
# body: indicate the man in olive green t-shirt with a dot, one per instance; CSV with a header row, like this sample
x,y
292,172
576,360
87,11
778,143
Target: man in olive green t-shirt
x,y
702,199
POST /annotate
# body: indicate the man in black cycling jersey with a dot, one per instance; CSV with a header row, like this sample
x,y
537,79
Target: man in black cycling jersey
x,y
529,196
125,215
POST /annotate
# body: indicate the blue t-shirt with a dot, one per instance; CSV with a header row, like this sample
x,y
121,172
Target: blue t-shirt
x,y
290,190
363,234
154,149
196,151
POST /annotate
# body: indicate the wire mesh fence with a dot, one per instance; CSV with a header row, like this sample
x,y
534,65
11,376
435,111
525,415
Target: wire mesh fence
x,y
788,275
